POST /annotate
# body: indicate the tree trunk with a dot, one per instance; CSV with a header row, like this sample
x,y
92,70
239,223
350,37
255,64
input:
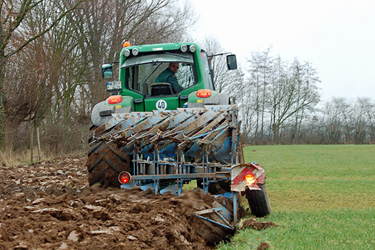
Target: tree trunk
x,y
276,133
2,97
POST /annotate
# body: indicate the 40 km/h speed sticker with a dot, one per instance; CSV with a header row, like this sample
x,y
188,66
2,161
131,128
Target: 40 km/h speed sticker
x,y
161,105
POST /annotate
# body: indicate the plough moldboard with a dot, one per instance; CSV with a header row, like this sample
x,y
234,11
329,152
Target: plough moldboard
x,y
172,147
211,132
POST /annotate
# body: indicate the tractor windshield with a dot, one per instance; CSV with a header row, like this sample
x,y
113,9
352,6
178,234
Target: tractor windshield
x,y
160,74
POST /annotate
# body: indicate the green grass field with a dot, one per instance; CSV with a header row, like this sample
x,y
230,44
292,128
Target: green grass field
x,y
322,197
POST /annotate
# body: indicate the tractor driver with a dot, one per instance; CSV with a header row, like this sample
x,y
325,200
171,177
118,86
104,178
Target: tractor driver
x,y
168,75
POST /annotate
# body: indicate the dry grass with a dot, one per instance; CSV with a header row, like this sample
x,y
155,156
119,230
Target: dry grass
x,y
11,157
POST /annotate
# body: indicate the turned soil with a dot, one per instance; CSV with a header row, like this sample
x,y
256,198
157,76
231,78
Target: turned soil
x,y
49,205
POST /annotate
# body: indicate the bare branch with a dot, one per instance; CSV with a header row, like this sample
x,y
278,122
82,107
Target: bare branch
x,y
44,31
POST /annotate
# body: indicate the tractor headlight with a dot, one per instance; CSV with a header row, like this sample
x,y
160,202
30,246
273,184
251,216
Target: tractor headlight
x,y
192,48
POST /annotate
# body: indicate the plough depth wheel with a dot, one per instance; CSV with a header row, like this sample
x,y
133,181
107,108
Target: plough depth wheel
x,y
258,201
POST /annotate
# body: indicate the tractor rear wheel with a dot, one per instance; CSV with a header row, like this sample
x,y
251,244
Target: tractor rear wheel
x,y
258,201
105,162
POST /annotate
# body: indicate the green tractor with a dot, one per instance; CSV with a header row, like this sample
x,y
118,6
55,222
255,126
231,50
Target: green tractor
x,y
165,125
138,91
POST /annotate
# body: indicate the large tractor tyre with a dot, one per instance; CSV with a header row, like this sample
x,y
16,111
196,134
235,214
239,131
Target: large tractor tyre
x,y
91,131
258,201
104,164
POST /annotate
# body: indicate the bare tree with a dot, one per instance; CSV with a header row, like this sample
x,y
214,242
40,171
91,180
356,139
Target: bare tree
x,y
54,81
217,63
368,107
277,92
103,25
290,94
259,79
13,14
223,78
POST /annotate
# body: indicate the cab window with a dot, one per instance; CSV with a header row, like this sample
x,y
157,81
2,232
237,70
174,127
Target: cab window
x,y
151,74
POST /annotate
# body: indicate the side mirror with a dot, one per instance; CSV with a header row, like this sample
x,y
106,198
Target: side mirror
x,y
231,62
210,67
107,71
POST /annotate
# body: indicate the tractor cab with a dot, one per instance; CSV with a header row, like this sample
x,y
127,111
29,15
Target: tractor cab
x,y
162,76
151,76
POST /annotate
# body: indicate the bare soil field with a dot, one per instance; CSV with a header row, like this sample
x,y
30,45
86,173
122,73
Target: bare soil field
x,y
49,205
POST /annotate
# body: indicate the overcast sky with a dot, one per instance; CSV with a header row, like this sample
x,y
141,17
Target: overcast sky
x,y
336,36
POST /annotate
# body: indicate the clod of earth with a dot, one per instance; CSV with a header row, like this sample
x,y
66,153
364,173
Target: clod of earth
x,y
257,225
264,245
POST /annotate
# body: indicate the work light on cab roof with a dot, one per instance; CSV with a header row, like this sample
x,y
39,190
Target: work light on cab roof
x,y
183,48
135,52
126,44
126,53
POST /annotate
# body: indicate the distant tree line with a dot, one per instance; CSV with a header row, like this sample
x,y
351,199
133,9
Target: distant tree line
x,y
50,77
279,103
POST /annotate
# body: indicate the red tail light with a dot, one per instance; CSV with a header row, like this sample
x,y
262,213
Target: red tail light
x,y
114,99
204,93
250,179
124,177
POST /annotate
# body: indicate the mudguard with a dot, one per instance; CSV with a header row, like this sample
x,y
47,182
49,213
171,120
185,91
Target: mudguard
x,y
247,175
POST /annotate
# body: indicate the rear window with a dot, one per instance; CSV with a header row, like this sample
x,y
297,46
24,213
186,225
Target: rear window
x,y
144,73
